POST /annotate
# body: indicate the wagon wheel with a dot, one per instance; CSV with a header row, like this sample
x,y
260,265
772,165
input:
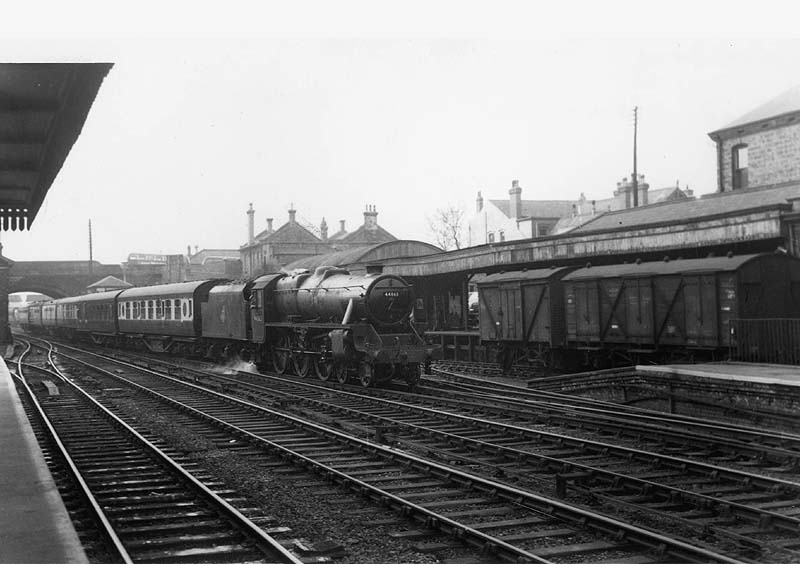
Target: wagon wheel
x,y
323,369
281,355
341,372
301,364
366,374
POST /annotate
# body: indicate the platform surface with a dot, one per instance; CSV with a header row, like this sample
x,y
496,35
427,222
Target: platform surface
x,y
34,524
740,371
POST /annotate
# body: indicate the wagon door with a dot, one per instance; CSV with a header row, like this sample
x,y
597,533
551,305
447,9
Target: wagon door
x,y
582,311
669,310
700,298
536,313
612,310
512,304
639,310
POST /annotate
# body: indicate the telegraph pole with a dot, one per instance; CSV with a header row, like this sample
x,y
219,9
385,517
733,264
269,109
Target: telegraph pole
x,y
635,174
91,258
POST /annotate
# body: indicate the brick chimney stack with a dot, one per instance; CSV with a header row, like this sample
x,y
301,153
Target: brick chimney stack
x,y
341,226
479,202
323,230
251,226
371,217
269,225
292,213
515,199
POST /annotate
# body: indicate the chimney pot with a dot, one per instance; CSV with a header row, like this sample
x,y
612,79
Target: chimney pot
x,y
251,227
341,225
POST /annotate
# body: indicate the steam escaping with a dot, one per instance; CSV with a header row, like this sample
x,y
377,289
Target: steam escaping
x,y
236,365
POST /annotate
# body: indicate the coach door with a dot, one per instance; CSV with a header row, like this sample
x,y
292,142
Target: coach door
x,y
700,298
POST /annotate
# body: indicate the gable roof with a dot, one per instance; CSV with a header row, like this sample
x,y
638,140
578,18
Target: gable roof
x,y
786,103
289,232
679,211
365,236
537,208
110,282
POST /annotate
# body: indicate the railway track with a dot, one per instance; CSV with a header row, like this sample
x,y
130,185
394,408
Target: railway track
x,y
752,445
699,497
141,503
630,383
507,522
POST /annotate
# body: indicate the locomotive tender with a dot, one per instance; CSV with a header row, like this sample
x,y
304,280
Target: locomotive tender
x,y
662,310
329,321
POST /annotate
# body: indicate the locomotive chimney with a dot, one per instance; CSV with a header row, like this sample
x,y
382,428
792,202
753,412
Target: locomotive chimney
x,y
269,225
515,199
251,226
371,218
323,230
479,202
292,212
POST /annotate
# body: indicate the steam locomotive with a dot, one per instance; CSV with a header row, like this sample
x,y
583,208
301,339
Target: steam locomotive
x,y
329,322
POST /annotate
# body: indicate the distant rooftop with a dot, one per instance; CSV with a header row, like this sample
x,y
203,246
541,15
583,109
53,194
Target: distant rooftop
x,y
785,103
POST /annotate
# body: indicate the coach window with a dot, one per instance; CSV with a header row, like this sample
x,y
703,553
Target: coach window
x,y
739,161
191,312
159,309
178,310
167,309
151,314
184,309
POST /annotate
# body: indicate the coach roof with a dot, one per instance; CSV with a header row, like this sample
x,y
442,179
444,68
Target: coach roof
x,y
179,289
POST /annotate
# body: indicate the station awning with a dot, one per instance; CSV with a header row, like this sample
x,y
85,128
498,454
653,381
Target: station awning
x,y
43,107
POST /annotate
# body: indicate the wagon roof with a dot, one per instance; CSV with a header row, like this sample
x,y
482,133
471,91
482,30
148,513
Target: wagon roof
x,y
180,288
536,274
660,268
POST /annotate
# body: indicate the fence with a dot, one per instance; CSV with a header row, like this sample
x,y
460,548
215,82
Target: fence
x,y
766,340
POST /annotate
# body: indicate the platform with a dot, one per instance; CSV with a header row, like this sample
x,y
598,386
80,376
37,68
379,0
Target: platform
x,y
34,524
769,374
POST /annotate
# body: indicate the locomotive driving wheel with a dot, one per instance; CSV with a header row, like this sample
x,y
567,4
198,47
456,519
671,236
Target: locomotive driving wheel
x,y
340,369
323,369
301,364
281,355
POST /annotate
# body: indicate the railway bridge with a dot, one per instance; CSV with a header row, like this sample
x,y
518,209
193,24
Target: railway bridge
x,y
58,279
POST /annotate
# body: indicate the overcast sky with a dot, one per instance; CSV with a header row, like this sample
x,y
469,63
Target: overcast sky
x,y
185,133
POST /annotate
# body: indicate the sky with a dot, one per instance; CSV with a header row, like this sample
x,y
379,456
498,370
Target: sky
x,y
187,131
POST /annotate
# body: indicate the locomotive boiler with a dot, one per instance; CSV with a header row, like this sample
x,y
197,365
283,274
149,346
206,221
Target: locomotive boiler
x,y
340,325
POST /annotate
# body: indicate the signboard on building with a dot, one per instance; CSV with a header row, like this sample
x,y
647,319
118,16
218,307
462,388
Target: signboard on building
x,y
142,258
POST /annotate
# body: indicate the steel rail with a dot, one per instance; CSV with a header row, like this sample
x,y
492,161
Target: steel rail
x,y
91,501
547,506
262,539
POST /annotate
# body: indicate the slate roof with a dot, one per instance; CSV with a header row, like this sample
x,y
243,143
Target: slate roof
x,y
785,103
679,211
537,208
366,253
365,236
110,282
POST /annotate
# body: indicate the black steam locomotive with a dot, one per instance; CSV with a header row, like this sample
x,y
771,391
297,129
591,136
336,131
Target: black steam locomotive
x,y
329,322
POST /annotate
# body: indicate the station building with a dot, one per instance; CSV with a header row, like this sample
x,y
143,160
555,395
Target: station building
x,y
272,249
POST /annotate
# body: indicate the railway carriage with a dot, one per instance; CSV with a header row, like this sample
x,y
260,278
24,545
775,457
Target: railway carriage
x,y
97,316
166,317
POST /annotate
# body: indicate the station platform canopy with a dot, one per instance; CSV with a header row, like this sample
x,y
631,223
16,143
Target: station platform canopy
x,y
43,107
361,257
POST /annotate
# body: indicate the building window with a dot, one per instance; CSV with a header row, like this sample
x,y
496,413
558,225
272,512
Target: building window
x,y
739,162
491,237
502,235
543,230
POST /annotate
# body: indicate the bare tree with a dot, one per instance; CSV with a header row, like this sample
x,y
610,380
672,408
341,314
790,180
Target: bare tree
x,y
447,226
